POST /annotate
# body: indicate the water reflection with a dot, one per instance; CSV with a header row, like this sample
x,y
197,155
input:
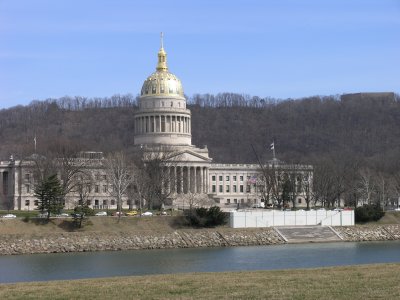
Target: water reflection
x,y
140,262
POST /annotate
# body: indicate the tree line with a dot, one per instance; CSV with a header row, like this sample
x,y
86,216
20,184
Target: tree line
x,y
340,138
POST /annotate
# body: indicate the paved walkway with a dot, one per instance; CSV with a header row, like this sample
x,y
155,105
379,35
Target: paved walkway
x,y
308,234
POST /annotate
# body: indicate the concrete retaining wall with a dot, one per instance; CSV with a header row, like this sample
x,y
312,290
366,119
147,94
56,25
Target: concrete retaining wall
x,y
268,218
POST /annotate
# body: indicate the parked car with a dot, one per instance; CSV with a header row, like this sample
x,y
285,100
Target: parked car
x,y
9,216
76,216
62,215
101,213
132,213
117,213
147,213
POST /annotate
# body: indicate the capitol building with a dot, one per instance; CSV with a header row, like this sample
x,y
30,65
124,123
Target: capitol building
x,y
163,121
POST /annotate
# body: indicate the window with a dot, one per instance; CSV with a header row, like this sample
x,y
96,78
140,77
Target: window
x,y
248,177
248,188
227,189
105,202
234,178
241,188
28,188
96,188
220,189
228,201
235,189
299,200
235,200
105,188
213,178
220,178
112,202
27,177
241,200
97,177
227,178
214,189
27,202
104,177
96,202
36,202
241,178
88,202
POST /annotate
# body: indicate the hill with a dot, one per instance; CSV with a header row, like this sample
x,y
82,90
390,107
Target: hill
x,y
304,130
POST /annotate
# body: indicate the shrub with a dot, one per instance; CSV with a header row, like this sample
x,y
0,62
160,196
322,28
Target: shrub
x,y
368,213
203,217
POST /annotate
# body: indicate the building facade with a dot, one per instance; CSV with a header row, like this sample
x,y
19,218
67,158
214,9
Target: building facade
x,y
163,121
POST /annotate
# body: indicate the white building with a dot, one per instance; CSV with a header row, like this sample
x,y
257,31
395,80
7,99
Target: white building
x,y
163,120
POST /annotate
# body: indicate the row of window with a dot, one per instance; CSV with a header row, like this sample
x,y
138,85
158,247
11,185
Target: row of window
x,y
227,178
234,178
96,188
228,188
228,201
88,202
97,177
148,104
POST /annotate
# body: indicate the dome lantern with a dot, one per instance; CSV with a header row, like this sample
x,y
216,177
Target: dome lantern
x,y
162,82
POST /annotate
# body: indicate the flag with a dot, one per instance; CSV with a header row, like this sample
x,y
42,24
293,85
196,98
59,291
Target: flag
x,y
252,179
272,146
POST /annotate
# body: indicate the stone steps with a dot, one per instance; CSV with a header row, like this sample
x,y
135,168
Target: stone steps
x,y
308,234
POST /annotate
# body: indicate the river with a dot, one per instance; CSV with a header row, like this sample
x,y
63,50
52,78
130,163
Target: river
x,y
61,266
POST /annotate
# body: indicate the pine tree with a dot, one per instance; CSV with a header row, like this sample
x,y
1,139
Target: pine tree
x,y
49,192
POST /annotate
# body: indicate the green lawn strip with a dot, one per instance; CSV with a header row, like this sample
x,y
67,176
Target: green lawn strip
x,y
379,281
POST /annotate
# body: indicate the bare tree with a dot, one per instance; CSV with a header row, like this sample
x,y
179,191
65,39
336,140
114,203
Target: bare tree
x,y
193,200
119,172
82,187
365,185
156,164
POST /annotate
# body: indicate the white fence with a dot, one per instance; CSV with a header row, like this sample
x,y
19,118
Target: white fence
x,y
267,218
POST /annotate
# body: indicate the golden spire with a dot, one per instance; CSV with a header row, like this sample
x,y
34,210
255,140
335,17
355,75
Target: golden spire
x,y
162,56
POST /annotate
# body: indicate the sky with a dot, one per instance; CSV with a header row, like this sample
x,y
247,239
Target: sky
x,y
280,49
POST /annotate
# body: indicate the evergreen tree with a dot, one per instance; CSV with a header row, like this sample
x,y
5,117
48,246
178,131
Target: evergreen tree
x,y
49,192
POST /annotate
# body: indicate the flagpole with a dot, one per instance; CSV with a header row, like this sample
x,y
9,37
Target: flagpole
x,y
273,150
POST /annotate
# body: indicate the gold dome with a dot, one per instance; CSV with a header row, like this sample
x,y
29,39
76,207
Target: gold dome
x,y
162,82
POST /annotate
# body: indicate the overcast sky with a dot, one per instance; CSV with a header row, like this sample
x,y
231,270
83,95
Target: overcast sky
x,y
280,49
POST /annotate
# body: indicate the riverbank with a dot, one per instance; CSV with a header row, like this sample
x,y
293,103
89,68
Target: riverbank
x,y
350,282
109,234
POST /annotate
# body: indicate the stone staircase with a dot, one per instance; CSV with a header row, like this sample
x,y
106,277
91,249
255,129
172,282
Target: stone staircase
x,y
308,234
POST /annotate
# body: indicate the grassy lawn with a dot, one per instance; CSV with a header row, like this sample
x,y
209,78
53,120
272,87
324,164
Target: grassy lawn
x,y
381,281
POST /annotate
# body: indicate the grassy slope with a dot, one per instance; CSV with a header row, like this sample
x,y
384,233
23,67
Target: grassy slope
x,y
125,224
351,282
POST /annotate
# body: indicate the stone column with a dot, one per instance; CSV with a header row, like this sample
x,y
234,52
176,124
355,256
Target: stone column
x,y
181,180
201,180
159,122
224,183
195,180
189,179
207,180
175,181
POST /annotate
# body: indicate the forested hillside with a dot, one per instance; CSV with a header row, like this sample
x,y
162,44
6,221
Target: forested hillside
x,y
304,130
